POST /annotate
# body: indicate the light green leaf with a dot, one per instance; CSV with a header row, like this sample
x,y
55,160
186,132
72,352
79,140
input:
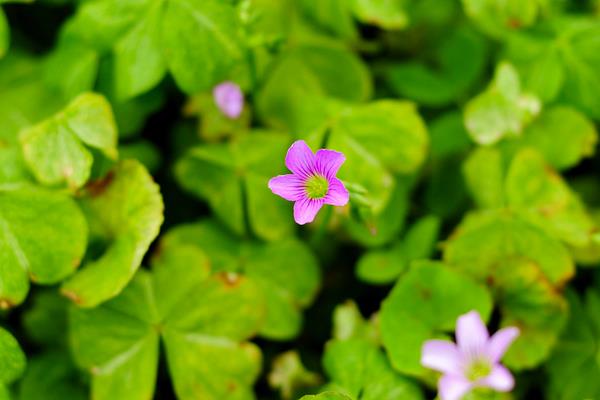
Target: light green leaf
x,y
234,177
363,372
56,150
498,17
71,68
425,303
12,358
379,139
484,173
139,64
387,14
459,62
501,110
319,70
288,374
383,266
348,323
326,396
526,267
560,61
563,135
199,64
286,271
533,186
203,327
35,243
333,16
124,212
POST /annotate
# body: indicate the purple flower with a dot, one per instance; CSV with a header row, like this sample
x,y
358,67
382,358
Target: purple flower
x,y
312,182
229,98
473,362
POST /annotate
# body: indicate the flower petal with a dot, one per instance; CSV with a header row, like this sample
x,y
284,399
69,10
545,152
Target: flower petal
x,y
500,341
471,334
300,159
328,162
229,98
337,194
453,387
500,379
305,210
290,187
441,355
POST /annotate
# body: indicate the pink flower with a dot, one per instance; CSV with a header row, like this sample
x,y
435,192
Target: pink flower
x,y
312,182
474,361
229,98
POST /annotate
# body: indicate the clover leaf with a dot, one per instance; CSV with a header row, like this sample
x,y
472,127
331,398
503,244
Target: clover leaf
x,y
202,321
286,271
503,109
43,237
12,361
124,211
526,268
57,150
147,38
558,61
460,61
233,178
425,303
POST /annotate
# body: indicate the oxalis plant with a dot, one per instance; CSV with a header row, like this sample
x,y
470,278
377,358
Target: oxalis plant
x,y
299,199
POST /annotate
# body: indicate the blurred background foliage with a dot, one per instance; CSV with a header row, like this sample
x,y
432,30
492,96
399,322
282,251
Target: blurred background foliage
x,y
142,254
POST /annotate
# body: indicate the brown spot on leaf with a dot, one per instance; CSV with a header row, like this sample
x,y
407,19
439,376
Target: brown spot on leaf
x,y
72,296
230,279
514,23
97,187
231,386
5,304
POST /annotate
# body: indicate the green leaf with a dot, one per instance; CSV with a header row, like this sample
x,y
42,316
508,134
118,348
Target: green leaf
x,y
334,16
425,303
534,186
382,13
12,358
45,322
199,64
203,323
234,177
52,376
289,374
526,267
139,63
348,323
43,237
364,373
124,212
286,271
4,34
498,17
574,363
501,110
319,70
383,266
56,150
71,68
460,61
379,139
563,135
559,60
484,173
326,396
448,135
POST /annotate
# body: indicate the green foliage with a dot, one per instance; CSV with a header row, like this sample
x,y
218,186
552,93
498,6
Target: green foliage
x,y
142,254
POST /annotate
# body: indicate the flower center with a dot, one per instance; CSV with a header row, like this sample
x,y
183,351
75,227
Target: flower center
x,y
478,369
316,187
